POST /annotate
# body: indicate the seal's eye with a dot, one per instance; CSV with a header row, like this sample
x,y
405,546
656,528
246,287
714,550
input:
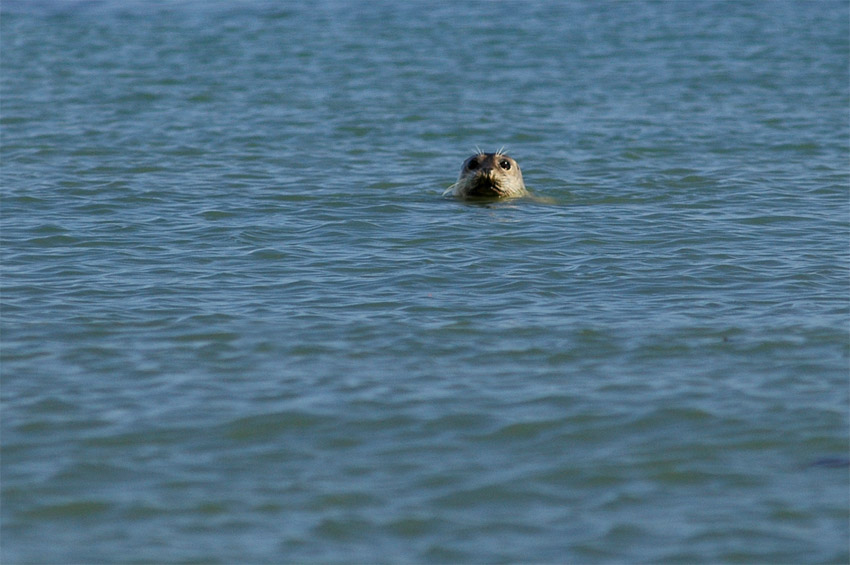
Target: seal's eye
x,y
505,164
472,165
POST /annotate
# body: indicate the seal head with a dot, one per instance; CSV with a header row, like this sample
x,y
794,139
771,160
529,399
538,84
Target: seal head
x,y
489,175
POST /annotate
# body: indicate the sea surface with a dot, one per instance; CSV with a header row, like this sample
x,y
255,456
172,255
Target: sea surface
x,y
241,323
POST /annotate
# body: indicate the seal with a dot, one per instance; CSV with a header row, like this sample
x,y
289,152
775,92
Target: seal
x,y
489,175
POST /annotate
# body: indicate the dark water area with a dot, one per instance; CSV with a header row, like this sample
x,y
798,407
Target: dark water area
x,y
239,321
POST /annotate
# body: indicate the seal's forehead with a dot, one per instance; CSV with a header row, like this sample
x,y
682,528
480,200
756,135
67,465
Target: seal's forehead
x,y
482,157
492,161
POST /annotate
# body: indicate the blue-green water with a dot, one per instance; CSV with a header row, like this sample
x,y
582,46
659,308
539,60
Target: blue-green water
x,y
240,323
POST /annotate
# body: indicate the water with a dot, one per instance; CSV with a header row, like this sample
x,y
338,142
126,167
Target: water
x,y
241,324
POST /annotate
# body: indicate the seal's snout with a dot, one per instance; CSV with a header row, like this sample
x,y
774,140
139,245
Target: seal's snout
x,y
485,184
